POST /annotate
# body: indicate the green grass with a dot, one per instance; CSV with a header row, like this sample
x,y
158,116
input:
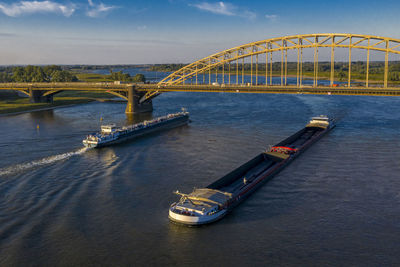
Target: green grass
x,y
92,77
10,102
85,94
23,104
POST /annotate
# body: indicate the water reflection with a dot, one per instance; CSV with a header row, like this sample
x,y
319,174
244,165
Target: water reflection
x,y
104,156
136,118
45,115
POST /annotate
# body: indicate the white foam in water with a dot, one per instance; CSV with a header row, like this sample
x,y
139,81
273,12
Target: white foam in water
x,y
44,161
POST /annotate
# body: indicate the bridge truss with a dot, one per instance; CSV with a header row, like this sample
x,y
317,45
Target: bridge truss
x,y
222,62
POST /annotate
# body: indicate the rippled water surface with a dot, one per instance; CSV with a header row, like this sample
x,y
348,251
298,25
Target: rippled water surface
x,y
337,204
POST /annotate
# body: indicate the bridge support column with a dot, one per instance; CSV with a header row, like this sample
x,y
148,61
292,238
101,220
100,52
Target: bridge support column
x,y
36,96
133,106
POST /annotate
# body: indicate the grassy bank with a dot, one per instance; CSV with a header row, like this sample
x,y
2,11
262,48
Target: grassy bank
x,y
84,94
12,103
92,77
23,104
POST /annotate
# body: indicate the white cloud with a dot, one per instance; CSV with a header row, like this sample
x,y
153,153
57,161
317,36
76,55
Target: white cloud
x,y
249,15
224,8
31,7
217,8
95,11
271,17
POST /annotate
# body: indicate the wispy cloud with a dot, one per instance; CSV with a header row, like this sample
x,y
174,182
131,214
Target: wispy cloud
x,y
249,15
127,41
141,28
97,10
217,8
271,17
224,8
7,34
31,7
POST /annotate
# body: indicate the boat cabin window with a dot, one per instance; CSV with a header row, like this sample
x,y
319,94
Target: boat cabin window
x,y
320,119
108,128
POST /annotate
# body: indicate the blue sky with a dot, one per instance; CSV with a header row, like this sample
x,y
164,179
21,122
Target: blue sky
x,y
171,31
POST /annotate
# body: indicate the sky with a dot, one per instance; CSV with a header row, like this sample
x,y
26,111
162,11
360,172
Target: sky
x,y
171,31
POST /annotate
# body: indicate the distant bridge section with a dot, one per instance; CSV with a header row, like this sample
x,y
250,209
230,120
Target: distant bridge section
x,y
44,92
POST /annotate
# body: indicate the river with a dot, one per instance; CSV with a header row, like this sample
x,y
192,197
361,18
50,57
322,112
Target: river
x,y
337,204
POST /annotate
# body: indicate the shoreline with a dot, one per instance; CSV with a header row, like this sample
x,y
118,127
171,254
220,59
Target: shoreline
x,y
16,106
44,109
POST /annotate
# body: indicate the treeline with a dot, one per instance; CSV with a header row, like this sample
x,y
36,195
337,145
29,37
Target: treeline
x,y
166,67
126,77
341,68
104,67
30,73
54,73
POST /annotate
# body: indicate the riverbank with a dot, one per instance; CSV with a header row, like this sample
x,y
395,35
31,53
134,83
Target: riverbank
x,y
22,105
11,104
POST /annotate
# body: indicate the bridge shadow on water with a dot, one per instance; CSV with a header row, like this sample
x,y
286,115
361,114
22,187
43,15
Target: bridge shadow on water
x,y
136,118
45,115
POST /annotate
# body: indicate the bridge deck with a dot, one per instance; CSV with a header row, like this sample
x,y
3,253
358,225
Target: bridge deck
x,y
276,89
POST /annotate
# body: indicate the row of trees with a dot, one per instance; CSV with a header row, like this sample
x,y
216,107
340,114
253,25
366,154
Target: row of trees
x,y
30,73
166,67
392,76
126,77
54,73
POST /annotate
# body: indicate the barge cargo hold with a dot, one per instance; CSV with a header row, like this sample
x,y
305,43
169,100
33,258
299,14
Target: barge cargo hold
x,y
111,135
206,205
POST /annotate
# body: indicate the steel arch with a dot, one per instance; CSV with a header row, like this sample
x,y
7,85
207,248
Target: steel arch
x,y
283,44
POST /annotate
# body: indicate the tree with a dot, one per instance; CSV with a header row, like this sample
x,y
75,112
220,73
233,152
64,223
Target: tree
x,y
18,74
37,75
51,73
63,76
5,77
394,76
342,75
50,70
119,76
139,78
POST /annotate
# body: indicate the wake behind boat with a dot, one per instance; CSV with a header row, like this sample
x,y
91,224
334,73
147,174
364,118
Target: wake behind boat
x,y
206,205
111,134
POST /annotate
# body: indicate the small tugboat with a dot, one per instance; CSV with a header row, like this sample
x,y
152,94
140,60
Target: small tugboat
x,y
206,205
111,134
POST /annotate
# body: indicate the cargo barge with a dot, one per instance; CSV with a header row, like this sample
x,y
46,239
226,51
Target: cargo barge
x,y
110,134
209,204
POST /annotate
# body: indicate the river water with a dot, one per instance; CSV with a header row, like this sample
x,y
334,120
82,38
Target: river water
x,y
337,204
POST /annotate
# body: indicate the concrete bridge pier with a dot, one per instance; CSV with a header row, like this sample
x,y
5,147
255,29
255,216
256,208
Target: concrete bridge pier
x,y
36,96
133,106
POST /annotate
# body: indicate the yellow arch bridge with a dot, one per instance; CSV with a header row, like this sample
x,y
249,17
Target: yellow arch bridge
x,y
225,71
